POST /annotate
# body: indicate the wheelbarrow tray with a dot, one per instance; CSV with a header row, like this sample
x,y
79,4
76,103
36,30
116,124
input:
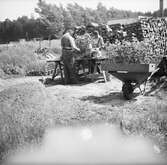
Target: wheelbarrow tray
x,y
129,72
132,77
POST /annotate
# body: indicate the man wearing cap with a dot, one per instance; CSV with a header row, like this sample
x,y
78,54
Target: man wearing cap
x,y
68,50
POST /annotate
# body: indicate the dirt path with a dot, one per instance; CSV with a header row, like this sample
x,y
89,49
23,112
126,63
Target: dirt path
x,y
87,101
91,102
6,83
94,102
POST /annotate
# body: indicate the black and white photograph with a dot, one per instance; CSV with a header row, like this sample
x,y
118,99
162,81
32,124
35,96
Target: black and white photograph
x,y
83,82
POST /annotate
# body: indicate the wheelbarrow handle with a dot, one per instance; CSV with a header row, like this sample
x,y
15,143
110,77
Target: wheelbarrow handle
x,y
153,73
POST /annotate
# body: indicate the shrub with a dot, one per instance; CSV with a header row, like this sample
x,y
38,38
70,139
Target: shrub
x,y
15,60
133,52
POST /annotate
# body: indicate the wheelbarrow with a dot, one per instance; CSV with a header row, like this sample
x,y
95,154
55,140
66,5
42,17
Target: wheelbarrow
x,y
132,75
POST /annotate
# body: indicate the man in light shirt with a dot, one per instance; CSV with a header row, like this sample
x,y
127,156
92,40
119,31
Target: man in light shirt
x,y
68,50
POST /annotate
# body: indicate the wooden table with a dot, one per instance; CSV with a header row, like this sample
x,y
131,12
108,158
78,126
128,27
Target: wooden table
x,y
97,61
59,65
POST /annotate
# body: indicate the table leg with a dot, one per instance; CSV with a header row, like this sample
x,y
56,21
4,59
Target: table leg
x,y
104,76
94,72
89,66
61,72
54,73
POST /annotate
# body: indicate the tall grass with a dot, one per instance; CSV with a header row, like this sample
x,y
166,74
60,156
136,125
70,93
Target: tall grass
x,y
20,59
25,113
148,119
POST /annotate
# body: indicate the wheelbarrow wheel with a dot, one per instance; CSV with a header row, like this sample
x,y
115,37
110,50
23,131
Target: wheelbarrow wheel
x,y
127,90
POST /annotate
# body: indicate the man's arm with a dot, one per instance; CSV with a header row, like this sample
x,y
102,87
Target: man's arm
x,y
101,43
73,44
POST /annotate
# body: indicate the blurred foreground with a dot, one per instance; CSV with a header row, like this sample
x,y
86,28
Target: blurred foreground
x,y
98,144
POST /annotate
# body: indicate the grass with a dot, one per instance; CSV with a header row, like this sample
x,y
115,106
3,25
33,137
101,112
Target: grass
x,y
148,119
25,113
19,58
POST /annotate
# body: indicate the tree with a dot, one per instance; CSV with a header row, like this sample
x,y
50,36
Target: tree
x,y
52,16
77,13
54,19
157,13
101,13
7,31
68,20
17,30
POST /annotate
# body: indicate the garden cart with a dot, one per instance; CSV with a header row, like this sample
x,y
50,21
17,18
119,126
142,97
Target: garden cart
x,y
132,75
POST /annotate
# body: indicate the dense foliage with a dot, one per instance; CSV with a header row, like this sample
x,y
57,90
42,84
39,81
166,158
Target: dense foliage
x,y
54,19
21,59
133,52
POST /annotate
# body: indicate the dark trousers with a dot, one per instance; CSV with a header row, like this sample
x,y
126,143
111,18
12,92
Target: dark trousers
x,y
69,67
93,65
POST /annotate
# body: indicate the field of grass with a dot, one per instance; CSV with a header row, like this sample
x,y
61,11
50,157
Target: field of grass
x,y
25,114
150,120
20,58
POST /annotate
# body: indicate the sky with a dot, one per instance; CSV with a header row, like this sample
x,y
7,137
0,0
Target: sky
x,y
12,9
